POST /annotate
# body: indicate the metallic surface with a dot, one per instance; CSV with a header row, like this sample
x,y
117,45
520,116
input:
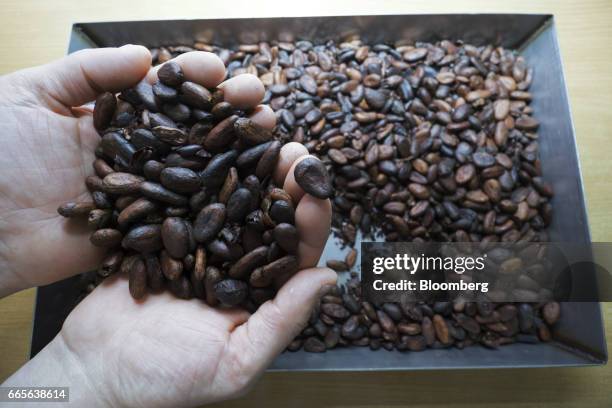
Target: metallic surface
x,y
579,337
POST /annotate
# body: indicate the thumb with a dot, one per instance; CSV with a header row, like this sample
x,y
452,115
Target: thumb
x,y
257,342
80,77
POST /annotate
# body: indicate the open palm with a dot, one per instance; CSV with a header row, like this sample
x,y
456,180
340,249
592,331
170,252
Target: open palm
x,y
45,154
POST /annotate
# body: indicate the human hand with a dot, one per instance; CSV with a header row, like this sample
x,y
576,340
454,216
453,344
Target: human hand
x,y
47,147
48,143
166,351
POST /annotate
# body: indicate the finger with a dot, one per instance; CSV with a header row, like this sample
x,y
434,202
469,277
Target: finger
x,y
264,116
313,221
289,153
80,77
243,91
201,67
256,343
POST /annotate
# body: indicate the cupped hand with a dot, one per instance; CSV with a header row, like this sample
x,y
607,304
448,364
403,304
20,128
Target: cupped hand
x,y
113,350
47,142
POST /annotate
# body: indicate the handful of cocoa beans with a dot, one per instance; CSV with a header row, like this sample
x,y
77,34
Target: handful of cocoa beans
x,y
183,195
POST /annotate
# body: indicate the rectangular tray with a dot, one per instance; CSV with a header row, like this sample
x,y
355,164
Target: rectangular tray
x,y
579,337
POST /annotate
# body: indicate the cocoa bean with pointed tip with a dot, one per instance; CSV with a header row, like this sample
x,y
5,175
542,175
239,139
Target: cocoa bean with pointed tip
x,y
286,265
312,176
73,209
251,156
106,237
268,161
137,210
171,74
251,260
221,135
215,172
157,192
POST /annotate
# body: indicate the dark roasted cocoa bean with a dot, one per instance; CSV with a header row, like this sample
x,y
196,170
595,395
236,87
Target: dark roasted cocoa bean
x,y
104,110
181,288
138,279
171,268
137,210
171,74
238,205
106,237
213,275
231,292
144,239
442,330
311,175
195,95
209,222
157,192
170,135
251,133
287,237
155,276
111,263
215,172
267,163
335,311
164,92
314,345
251,260
180,180
285,265
229,185
221,135
73,209
122,183
152,170
175,237
282,212
250,157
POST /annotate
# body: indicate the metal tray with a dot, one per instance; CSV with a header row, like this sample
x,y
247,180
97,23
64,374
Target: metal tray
x,y
579,337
